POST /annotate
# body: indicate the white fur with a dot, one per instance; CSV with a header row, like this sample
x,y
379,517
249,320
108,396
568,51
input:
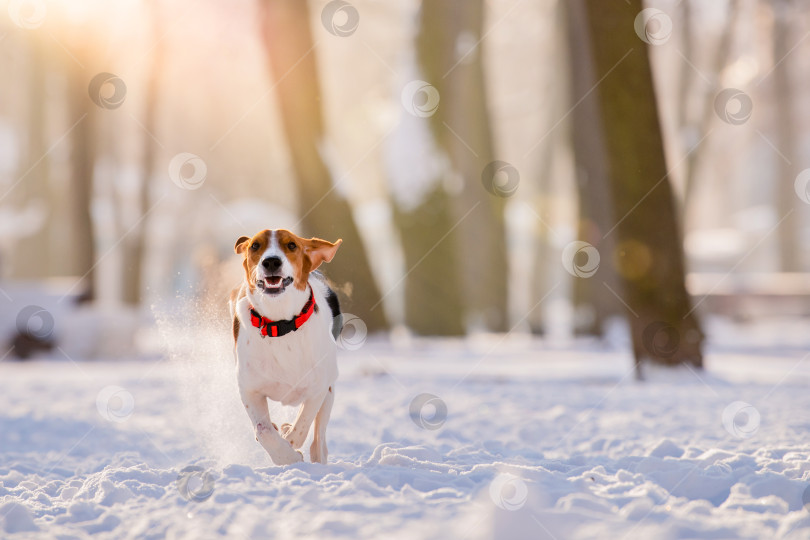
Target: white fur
x,y
299,368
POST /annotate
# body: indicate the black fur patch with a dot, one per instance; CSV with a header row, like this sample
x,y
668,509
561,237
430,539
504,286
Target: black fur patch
x,y
337,317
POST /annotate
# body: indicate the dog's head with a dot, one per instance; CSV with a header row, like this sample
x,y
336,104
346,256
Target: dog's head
x,y
274,260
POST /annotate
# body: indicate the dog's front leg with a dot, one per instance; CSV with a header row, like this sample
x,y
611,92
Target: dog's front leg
x,y
306,415
318,451
281,452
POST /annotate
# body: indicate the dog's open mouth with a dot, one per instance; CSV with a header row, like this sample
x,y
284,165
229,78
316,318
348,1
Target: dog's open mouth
x,y
274,284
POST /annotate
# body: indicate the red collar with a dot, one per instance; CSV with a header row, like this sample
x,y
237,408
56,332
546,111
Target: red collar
x,y
281,328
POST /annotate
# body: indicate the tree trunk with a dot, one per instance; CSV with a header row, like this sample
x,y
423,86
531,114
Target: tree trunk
x,y
290,51
451,60
687,72
786,136
30,260
432,296
135,246
555,103
80,195
649,254
694,135
592,300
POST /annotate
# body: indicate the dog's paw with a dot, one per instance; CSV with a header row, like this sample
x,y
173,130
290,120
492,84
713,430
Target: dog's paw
x,y
295,438
288,458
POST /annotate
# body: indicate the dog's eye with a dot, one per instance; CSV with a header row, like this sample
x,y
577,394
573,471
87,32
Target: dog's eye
x,y
254,246
291,246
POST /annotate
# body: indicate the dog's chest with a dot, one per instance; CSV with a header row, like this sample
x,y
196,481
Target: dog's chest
x,y
289,368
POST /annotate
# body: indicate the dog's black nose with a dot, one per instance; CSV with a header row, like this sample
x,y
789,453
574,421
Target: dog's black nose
x,y
271,263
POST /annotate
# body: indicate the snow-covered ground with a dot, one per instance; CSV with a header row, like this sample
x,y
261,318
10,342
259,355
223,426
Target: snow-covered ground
x,y
440,439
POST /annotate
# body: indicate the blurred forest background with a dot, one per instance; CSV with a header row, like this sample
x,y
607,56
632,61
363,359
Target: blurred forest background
x,y
542,167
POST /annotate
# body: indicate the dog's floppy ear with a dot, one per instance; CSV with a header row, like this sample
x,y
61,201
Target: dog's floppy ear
x,y
320,251
241,244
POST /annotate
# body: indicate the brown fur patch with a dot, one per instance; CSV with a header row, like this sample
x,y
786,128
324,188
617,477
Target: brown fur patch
x,y
245,245
305,255
236,295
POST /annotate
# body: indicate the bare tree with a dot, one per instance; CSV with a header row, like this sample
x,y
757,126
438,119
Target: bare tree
x,y
80,194
30,260
135,245
291,53
696,131
449,52
787,135
432,299
649,253
593,300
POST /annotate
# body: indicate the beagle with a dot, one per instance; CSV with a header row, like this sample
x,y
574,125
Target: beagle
x,y
285,323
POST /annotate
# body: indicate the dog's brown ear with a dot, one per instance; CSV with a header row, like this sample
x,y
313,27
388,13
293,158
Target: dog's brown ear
x,y
241,244
320,251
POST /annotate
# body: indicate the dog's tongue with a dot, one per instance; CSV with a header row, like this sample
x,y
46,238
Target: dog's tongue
x,y
273,281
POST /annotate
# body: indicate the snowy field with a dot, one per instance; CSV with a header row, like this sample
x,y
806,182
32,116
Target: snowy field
x,y
519,441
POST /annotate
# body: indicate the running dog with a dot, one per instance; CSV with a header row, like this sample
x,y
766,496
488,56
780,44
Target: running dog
x,y
286,319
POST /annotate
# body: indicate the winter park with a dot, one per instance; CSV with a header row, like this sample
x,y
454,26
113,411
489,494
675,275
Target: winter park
x,y
411,269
